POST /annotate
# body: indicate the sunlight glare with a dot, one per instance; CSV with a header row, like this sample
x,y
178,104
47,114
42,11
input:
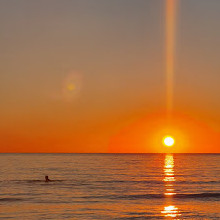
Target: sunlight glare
x,y
168,141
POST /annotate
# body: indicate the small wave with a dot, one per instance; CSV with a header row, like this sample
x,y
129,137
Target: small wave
x,y
10,199
156,196
28,181
42,181
197,182
198,195
159,182
182,196
132,181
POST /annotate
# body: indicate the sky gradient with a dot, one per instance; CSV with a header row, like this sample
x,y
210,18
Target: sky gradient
x,y
77,76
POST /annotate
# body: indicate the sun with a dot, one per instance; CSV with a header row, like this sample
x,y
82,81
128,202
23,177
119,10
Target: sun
x,y
168,141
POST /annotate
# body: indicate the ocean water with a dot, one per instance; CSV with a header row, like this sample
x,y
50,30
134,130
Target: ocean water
x,y
110,186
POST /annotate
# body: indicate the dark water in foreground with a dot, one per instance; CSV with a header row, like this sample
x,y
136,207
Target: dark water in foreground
x,y
110,186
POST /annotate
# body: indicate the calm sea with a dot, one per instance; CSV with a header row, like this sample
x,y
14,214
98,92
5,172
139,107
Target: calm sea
x,y
110,186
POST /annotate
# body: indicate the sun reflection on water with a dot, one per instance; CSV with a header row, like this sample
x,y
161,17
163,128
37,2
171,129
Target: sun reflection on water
x,y
169,177
170,210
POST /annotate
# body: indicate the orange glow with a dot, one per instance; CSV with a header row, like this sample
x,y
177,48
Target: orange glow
x,y
146,134
170,51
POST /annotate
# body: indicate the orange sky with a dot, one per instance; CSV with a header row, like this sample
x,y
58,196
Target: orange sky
x,y
99,76
146,135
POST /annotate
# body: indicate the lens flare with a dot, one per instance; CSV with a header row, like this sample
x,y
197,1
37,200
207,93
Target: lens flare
x,y
71,86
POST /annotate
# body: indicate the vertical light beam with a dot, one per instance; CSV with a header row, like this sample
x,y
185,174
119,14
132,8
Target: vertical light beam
x,y
171,8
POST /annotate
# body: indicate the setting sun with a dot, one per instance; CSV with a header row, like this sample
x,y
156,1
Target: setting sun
x,y
168,141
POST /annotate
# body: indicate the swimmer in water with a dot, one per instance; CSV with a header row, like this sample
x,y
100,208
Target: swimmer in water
x,y
47,179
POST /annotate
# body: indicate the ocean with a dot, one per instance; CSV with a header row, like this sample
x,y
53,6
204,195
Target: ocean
x,y
110,186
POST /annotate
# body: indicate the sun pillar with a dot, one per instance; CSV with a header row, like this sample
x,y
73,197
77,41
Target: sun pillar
x,y
171,10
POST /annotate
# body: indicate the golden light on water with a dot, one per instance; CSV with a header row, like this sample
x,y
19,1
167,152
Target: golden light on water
x,y
170,210
168,141
169,172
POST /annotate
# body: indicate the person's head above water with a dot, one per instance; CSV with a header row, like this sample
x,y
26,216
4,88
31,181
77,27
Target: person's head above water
x,y
47,178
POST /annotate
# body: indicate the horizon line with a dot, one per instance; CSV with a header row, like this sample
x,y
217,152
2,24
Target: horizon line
x,y
102,153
